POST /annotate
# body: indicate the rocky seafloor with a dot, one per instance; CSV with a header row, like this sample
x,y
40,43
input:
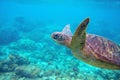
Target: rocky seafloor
x,y
32,55
28,60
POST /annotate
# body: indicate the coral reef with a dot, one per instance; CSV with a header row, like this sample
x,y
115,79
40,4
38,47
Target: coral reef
x,y
18,66
12,62
28,71
42,62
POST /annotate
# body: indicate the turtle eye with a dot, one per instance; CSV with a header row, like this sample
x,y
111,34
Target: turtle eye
x,y
56,36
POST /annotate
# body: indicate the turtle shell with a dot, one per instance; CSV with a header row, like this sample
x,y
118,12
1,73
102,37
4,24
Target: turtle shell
x,y
99,48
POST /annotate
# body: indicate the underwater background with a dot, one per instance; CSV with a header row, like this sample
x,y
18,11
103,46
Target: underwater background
x,y
27,51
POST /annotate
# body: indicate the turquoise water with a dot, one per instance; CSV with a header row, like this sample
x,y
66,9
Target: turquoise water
x,y
27,51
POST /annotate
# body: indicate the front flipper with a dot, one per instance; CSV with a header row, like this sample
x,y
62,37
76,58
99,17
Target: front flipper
x,y
66,30
79,37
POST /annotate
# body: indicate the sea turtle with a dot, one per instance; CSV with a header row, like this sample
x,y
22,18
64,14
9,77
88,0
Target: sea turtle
x,y
90,48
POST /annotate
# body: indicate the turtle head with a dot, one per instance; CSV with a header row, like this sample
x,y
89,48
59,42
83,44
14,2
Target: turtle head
x,y
59,37
63,37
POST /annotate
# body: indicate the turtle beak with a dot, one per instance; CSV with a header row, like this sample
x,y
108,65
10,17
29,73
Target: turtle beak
x,y
52,35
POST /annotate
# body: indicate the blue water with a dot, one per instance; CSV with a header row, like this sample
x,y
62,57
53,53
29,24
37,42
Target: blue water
x,y
27,51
